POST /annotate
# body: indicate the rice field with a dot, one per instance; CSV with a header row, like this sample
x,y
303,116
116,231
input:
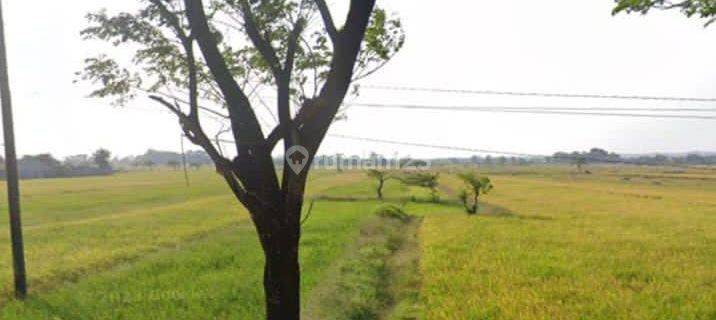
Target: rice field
x,y
577,247
621,243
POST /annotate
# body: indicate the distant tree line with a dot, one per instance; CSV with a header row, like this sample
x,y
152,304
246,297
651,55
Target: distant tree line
x,y
597,156
153,158
581,158
46,166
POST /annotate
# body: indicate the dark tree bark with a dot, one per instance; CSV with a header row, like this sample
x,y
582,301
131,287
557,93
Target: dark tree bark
x,y
475,204
381,183
282,276
471,207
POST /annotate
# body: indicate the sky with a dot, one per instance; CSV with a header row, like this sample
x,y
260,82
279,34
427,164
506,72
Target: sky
x,y
572,46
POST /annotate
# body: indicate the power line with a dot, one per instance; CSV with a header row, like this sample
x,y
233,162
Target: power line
x,y
476,150
570,111
539,94
433,146
423,145
547,110
537,108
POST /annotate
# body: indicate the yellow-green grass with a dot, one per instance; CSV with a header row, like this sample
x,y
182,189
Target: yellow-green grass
x,y
77,227
376,277
215,277
575,247
623,242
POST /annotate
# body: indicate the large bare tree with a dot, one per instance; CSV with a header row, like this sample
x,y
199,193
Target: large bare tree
x,y
207,58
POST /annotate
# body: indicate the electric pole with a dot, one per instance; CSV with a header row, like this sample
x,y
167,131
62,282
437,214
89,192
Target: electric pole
x,y
183,160
13,185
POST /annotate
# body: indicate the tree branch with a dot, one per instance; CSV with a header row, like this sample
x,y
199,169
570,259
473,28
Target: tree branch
x,y
253,166
245,125
169,96
169,106
293,46
368,73
306,112
217,138
274,137
320,113
264,46
193,82
171,20
188,44
196,135
681,4
284,86
328,20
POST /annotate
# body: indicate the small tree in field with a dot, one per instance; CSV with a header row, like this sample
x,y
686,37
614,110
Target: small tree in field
x,y
381,177
427,180
475,187
215,54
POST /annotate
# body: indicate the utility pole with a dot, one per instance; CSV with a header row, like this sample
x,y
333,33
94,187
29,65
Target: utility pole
x,y
13,185
183,160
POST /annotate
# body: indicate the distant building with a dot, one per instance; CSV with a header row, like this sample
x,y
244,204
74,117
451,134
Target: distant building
x,y
33,168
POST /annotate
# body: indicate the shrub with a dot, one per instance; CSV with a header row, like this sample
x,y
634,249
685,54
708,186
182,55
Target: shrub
x,y
391,211
426,180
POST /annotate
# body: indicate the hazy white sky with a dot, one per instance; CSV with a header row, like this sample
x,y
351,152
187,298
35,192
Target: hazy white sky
x,y
553,46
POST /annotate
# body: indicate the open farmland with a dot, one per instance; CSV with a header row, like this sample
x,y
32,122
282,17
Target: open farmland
x,y
624,242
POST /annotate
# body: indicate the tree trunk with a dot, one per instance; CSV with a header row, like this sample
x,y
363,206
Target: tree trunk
x,y
282,279
280,241
380,189
476,204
